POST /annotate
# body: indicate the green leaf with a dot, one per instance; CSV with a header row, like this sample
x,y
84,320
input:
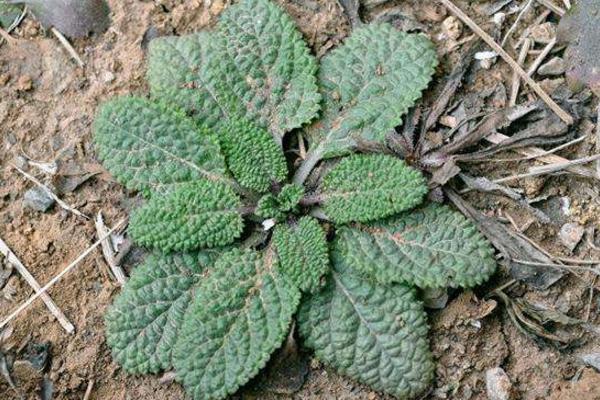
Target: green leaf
x,y
9,14
240,315
269,60
148,146
369,187
143,323
373,333
278,206
200,214
252,155
433,247
256,65
303,253
368,84
187,71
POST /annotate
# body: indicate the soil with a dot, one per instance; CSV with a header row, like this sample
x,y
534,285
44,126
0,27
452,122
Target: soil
x,y
47,105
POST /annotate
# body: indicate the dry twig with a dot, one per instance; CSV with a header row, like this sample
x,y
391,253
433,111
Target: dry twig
x,y
53,281
516,81
545,158
550,168
568,119
14,260
108,251
541,57
552,7
63,40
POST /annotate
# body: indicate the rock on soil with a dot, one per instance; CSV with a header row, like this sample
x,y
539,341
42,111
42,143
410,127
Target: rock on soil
x,y
38,199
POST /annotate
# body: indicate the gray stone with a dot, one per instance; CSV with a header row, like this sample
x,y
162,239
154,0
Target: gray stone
x,y
555,66
570,235
498,385
38,199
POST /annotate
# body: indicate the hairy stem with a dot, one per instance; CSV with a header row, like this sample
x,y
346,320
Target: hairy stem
x,y
312,159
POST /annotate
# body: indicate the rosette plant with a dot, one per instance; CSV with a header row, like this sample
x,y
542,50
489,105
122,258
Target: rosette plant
x,y
243,243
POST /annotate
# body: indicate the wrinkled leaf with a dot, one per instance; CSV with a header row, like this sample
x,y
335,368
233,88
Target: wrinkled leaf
x,y
152,147
255,65
201,214
144,321
8,14
433,247
240,315
368,84
374,333
369,187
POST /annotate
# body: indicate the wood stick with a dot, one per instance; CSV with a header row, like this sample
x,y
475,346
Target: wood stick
x,y
545,158
48,285
63,40
541,57
516,81
552,7
548,169
14,260
108,251
568,119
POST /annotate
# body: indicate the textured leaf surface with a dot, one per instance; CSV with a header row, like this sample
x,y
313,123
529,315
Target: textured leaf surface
x,y
368,84
186,71
303,253
271,64
279,205
369,187
373,333
201,214
252,155
144,321
434,247
256,65
150,147
240,315
8,14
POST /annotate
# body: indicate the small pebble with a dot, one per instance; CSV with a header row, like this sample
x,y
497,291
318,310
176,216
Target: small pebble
x,y
498,385
555,66
544,33
452,28
24,83
107,77
570,235
38,199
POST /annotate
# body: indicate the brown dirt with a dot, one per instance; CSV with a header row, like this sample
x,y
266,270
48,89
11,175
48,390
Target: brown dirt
x,y
47,105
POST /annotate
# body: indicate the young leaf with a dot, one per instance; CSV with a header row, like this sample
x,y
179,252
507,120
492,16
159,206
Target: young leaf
x,y
252,155
240,315
143,323
376,334
368,84
433,247
200,214
369,187
148,146
279,205
255,65
74,18
303,253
